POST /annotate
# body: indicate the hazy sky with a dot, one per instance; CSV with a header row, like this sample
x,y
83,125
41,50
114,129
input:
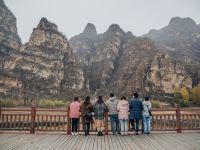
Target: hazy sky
x,y
71,16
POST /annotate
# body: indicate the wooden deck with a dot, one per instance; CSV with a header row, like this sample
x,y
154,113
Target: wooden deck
x,y
154,141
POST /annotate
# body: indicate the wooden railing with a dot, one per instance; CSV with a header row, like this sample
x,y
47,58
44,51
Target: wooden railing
x,y
35,119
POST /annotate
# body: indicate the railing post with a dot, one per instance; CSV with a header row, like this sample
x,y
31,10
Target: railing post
x,y
33,115
178,118
0,107
106,123
68,121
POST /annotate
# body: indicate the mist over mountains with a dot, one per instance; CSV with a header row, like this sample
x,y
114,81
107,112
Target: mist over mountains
x,y
50,66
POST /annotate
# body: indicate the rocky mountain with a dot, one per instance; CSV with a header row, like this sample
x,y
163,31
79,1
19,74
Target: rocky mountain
x,y
10,44
45,67
48,66
181,40
123,63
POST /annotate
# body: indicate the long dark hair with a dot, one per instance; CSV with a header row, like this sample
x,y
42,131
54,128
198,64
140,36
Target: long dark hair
x,y
100,99
87,99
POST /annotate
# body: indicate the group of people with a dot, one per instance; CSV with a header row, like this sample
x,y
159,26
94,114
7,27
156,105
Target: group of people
x,y
121,113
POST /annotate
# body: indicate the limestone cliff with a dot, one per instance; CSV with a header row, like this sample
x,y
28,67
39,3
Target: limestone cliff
x,y
9,48
44,67
123,63
181,40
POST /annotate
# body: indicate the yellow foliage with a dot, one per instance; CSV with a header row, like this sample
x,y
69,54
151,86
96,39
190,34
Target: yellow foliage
x,y
195,94
184,93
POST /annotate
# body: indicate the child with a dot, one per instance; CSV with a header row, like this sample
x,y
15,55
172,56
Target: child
x,y
74,115
123,108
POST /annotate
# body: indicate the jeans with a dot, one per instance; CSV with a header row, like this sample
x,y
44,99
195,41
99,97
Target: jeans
x,y
137,124
74,124
146,124
114,123
124,125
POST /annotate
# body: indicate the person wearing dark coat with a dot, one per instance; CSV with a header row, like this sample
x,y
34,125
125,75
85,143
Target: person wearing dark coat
x,y
86,113
99,111
136,107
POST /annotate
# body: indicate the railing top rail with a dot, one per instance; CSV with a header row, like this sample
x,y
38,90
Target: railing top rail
x,y
15,109
52,110
171,109
190,109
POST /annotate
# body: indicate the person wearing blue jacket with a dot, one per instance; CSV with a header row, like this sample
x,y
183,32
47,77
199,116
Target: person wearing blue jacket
x,y
136,107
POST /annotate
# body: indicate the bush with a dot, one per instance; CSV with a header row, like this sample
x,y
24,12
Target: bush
x,y
6,102
50,103
183,103
155,104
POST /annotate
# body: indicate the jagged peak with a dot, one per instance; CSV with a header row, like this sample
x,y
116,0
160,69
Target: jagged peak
x,y
129,34
115,28
45,24
2,3
90,29
178,21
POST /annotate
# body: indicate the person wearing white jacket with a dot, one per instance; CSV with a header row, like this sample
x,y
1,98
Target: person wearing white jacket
x,y
123,108
146,118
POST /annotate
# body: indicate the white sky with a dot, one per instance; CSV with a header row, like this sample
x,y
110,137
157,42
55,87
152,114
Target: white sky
x,y
71,16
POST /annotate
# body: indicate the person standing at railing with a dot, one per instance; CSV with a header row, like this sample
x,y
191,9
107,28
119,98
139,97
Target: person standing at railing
x,y
136,107
146,115
99,111
86,113
113,112
74,115
123,108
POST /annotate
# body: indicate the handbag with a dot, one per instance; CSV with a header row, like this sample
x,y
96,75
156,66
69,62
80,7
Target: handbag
x,y
88,114
149,112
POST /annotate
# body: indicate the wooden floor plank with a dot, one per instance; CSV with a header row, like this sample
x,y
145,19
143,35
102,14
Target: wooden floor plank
x,y
159,141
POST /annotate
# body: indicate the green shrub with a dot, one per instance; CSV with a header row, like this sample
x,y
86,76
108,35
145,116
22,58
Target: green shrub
x,y
11,102
50,103
155,104
183,103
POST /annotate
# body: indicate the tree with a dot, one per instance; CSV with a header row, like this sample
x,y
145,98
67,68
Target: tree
x,y
195,94
184,93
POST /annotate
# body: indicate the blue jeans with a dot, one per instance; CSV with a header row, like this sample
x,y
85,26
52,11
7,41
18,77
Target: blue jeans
x,y
146,124
114,123
124,125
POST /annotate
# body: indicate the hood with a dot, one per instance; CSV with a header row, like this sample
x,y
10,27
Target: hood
x,y
113,99
146,102
124,103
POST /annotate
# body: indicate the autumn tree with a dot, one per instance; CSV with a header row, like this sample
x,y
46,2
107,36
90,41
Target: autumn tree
x,y
184,93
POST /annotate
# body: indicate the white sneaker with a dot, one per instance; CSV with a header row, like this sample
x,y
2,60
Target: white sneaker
x,y
73,133
122,133
125,133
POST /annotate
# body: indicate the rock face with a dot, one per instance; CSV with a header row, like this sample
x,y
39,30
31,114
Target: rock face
x,y
45,67
9,48
48,66
181,40
123,63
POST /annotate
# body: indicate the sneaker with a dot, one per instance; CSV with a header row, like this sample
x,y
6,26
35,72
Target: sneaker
x,y
99,134
136,133
125,133
122,133
73,133
118,133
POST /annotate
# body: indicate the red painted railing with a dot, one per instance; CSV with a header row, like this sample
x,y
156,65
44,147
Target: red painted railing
x,y
36,119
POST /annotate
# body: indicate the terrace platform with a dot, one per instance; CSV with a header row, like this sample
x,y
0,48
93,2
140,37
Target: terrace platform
x,y
58,141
